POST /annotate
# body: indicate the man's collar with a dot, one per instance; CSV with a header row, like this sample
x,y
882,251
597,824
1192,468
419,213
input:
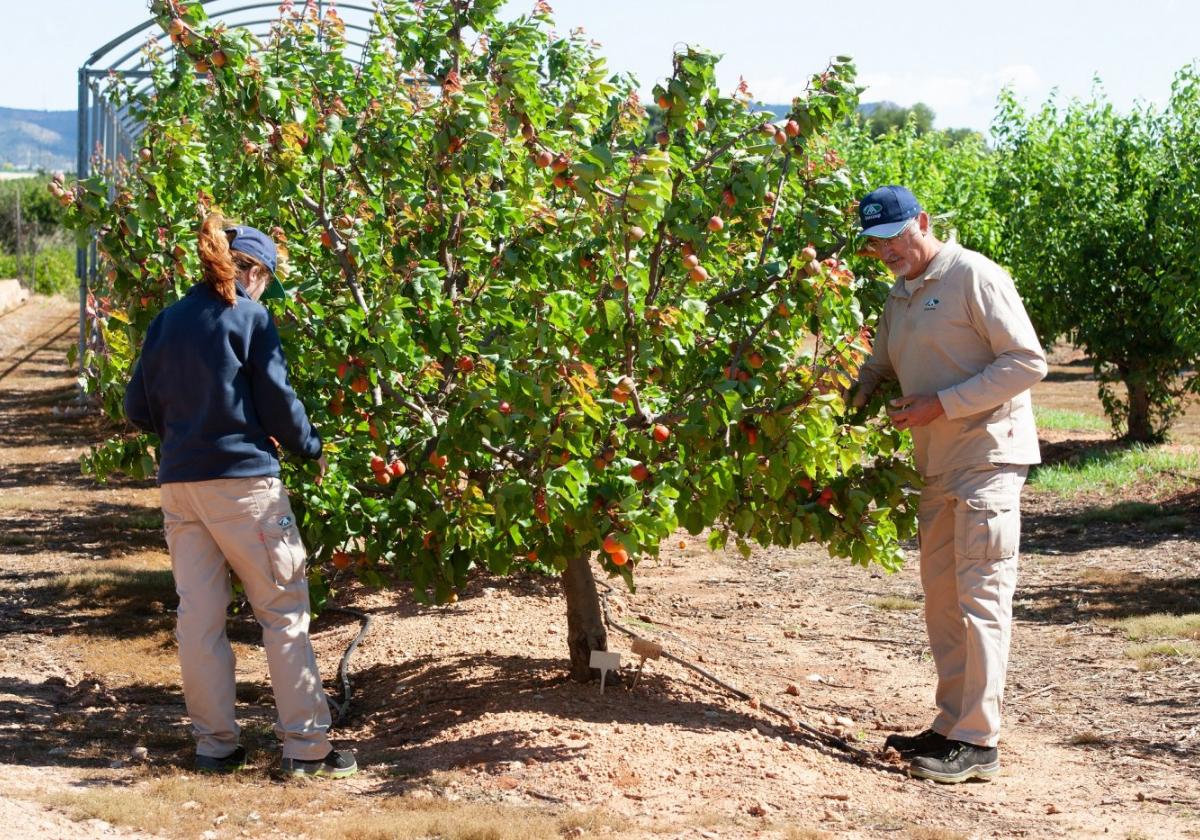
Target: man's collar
x,y
941,260
938,264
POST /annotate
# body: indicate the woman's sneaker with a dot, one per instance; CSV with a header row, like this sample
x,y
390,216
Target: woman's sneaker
x,y
337,765
957,762
923,743
231,763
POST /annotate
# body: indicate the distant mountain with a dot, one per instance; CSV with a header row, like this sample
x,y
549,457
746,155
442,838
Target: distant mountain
x,y
37,139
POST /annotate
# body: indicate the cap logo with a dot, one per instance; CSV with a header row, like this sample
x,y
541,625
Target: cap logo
x,y
872,210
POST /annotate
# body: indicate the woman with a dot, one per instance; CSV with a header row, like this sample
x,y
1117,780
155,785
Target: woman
x,y
212,384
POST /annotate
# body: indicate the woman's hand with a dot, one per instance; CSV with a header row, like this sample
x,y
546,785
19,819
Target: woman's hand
x,y
322,467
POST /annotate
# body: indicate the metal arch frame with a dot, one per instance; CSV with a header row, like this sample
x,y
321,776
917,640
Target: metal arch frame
x,y
112,132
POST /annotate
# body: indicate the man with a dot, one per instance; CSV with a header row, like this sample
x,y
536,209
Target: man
x,y
956,336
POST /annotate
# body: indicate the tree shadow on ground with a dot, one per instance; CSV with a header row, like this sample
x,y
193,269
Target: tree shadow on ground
x,y
1176,714
401,710
1103,595
91,725
111,603
1075,450
41,474
26,421
92,530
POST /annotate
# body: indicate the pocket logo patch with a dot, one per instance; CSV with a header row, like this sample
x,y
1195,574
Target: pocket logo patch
x,y
931,304
285,521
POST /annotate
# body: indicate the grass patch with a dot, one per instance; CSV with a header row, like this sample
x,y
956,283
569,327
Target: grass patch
x,y
148,657
1087,739
150,520
1151,656
927,832
1150,471
1150,516
1100,576
1159,626
123,583
894,602
1064,420
181,806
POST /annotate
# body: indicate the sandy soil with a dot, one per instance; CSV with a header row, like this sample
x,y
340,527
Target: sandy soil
x,y
469,703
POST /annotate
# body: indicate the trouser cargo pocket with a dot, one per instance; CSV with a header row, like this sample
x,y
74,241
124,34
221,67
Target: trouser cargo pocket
x,y
990,530
285,550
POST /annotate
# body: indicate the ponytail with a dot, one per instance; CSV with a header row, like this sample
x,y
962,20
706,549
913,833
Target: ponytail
x,y
217,259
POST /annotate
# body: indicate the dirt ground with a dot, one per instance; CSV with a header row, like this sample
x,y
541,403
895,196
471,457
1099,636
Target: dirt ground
x,y
466,726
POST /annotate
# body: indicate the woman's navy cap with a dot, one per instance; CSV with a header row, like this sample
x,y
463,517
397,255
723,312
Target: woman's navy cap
x,y
254,243
884,212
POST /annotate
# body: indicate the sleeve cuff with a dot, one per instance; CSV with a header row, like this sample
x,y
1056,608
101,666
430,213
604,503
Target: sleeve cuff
x,y
952,404
314,446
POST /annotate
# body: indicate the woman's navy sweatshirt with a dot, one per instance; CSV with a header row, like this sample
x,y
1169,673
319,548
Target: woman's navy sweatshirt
x,y
212,383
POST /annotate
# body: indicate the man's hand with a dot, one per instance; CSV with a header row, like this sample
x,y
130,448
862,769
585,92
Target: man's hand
x,y
914,411
322,467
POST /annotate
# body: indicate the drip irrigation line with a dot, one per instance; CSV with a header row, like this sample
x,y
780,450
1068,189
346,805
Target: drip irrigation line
x,y
342,709
834,741
16,308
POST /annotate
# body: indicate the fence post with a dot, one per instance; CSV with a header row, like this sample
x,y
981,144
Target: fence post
x,y
17,250
81,164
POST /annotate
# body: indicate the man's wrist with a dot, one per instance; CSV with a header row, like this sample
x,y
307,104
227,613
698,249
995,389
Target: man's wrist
x,y
947,401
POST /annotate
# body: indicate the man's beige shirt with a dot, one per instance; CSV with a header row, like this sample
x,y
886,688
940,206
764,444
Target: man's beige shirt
x,y
960,331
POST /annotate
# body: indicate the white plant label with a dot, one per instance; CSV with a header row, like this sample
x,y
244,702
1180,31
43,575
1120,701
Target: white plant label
x,y
606,661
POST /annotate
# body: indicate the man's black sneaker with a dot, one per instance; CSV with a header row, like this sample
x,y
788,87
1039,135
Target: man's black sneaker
x,y
956,762
231,763
337,765
922,743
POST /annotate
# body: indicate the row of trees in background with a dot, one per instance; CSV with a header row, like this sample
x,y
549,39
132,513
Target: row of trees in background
x,y
35,246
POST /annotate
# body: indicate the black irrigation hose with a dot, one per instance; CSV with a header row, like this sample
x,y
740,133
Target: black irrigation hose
x,y
863,756
342,709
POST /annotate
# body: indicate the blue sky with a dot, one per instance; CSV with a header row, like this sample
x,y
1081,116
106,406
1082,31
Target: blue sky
x,y
954,56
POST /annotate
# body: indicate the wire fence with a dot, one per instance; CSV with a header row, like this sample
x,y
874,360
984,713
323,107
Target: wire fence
x,y
109,131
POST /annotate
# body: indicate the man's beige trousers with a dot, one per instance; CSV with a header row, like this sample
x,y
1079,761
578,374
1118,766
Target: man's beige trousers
x,y
247,525
970,527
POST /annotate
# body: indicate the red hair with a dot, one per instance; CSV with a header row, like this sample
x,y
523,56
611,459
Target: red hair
x,y
219,269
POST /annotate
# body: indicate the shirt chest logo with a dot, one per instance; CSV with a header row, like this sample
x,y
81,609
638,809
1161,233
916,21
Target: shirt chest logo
x,y
931,304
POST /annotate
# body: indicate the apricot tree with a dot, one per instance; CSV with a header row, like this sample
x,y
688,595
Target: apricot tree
x,y
530,329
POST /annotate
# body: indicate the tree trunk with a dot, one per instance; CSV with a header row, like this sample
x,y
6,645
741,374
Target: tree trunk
x,y
1139,412
585,621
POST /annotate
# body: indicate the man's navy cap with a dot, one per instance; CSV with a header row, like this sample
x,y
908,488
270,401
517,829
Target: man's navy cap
x,y
884,212
254,243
